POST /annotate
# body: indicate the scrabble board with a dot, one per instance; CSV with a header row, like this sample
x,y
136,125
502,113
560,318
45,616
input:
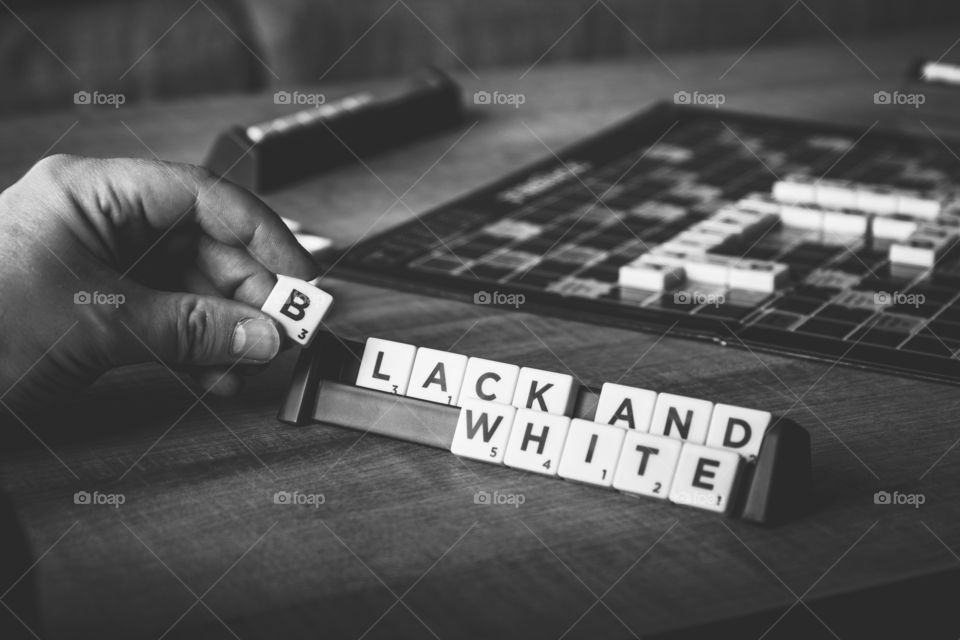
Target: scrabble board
x,y
726,459
779,235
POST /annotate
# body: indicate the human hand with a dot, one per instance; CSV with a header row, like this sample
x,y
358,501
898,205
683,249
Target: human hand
x,y
180,263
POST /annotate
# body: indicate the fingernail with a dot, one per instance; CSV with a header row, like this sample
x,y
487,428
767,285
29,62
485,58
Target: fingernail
x,y
255,339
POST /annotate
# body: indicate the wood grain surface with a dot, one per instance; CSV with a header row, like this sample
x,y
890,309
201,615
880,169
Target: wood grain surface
x,y
398,548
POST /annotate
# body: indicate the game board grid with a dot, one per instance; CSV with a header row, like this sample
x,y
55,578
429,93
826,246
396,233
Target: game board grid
x,y
572,240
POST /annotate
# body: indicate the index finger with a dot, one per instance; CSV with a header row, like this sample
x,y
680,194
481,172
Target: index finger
x,y
167,194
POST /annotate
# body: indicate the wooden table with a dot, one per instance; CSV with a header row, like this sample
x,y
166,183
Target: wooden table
x,y
399,549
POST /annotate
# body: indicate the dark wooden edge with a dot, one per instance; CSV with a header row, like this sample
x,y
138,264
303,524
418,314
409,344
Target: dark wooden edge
x,y
385,414
779,488
328,358
429,102
771,490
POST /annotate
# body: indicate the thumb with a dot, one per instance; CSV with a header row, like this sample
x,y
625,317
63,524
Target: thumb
x,y
189,329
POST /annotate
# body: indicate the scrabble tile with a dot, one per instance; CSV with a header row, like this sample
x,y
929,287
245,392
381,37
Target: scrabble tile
x,y
727,227
836,194
544,391
681,417
483,429
666,255
703,237
647,464
894,227
802,216
795,188
298,307
386,365
914,251
591,452
681,245
710,269
758,203
924,247
650,274
437,376
844,222
706,478
876,199
536,441
758,275
918,204
627,407
738,428
489,380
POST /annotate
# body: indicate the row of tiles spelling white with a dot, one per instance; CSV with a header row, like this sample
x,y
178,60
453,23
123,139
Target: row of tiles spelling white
x,y
598,454
451,378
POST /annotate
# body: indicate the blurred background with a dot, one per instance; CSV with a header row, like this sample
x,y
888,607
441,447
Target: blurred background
x,y
152,49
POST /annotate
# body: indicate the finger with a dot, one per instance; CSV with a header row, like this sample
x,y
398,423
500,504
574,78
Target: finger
x,y
165,195
193,280
230,271
185,329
